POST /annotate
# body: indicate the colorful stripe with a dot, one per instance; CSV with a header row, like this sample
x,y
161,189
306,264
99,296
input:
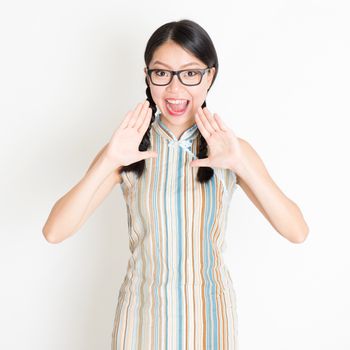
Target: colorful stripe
x,y
177,292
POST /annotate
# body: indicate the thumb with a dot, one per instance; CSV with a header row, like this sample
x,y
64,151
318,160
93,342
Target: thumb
x,y
200,162
148,154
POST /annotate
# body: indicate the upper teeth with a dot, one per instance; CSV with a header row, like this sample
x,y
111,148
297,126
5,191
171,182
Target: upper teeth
x,y
176,101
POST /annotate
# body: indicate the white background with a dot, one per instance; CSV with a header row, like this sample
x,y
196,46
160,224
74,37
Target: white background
x,y
69,72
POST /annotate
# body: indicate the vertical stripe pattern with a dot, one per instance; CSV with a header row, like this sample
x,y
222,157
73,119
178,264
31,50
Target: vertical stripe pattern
x,y
177,292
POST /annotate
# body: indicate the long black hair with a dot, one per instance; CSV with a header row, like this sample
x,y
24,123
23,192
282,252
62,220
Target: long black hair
x,y
193,38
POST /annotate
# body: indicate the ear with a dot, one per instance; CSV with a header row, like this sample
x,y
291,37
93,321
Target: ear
x,y
146,75
211,74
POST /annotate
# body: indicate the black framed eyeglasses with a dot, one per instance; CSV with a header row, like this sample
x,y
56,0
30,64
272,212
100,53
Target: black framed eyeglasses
x,y
188,77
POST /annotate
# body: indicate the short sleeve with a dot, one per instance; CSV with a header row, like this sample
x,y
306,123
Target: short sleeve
x,y
233,182
228,179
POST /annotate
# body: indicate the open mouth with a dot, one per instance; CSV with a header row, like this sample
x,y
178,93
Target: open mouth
x,y
177,107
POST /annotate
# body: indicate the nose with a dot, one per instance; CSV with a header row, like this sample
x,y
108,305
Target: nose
x,y
174,84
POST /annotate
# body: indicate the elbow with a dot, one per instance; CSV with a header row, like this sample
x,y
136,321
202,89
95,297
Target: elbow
x,y
49,236
300,236
300,228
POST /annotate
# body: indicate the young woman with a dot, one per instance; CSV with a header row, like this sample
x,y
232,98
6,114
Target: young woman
x,y
178,170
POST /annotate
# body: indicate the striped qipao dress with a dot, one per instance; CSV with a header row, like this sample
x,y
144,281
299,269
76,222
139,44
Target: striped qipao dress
x,y
177,292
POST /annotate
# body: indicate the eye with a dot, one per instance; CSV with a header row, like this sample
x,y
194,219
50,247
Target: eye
x,y
160,72
192,73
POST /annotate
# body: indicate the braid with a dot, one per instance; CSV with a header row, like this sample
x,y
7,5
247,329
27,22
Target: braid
x,y
152,104
138,167
204,173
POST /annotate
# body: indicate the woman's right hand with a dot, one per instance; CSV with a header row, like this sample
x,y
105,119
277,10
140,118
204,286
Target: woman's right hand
x,y
123,148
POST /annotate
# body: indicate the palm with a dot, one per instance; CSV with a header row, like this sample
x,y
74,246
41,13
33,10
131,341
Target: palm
x,y
123,148
127,145
223,146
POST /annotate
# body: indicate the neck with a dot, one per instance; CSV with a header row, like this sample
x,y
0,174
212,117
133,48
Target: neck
x,y
177,130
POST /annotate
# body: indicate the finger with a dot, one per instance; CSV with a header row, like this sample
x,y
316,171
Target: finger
x,y
211,119
205,121
126,120
146,121
138,112
220,122
200,163
135,113
201,126
142,115
149,154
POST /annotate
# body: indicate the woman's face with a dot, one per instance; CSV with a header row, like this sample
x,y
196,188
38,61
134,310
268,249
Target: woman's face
x,y
172,56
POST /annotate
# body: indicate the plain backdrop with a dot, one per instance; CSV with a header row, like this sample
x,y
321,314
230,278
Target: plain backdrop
x,y
69,72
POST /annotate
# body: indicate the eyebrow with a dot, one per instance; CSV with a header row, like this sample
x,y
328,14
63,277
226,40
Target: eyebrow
x,y
185,65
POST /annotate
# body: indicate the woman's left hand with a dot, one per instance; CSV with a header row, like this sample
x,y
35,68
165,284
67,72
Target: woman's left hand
x,y
223,146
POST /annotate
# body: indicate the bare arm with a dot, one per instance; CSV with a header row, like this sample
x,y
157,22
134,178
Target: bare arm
x,y
282,213
72,210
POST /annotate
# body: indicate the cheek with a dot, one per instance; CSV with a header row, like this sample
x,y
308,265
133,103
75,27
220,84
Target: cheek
x,y
198,97
156,95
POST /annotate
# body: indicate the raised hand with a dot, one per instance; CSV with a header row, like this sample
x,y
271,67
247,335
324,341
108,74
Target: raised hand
x,y
123,148
223,146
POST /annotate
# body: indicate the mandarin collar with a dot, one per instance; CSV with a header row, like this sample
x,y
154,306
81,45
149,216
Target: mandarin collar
x,y
186,139
163,130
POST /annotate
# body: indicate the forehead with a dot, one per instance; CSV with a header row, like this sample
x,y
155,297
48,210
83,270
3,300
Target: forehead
x,y
173,56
